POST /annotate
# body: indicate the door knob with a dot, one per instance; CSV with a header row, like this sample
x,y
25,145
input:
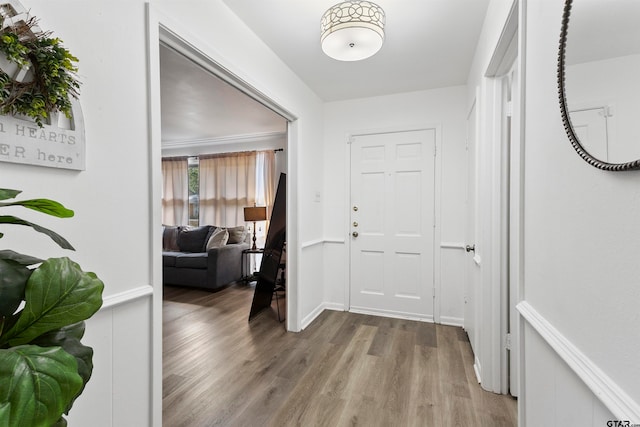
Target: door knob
x,y
354,234
470,248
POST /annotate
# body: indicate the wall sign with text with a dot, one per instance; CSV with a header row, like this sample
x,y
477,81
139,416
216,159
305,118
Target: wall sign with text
x,y
33,136
58,146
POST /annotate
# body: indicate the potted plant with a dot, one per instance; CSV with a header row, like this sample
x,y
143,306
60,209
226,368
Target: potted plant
x,y
43,304
37,74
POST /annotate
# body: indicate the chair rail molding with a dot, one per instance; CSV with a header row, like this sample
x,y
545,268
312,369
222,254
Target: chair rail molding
x,y
621,405
124,297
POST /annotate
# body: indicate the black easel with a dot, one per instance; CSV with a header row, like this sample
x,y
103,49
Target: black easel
x,y
273,249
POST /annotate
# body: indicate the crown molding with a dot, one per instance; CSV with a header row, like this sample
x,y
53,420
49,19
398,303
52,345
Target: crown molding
x,y
232,139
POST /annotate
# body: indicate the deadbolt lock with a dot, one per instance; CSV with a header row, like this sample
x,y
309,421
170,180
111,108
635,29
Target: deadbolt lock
x,y
355,209
355,223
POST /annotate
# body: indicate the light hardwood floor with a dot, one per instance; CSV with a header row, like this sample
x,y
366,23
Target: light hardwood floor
x,y
345,369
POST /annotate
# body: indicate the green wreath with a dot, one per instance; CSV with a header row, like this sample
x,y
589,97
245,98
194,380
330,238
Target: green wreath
x,y
53,67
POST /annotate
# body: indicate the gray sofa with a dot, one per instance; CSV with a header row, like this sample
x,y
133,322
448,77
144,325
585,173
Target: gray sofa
x,y
191,258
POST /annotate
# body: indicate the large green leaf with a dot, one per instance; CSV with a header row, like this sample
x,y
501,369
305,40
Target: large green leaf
x,y
6,193
58,293
68,338
13,281
61,241
49,207
21,259
36,385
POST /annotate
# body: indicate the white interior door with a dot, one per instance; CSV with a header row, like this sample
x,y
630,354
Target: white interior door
x,y
392,223
472,282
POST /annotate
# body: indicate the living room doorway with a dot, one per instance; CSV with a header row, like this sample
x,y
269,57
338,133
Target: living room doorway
x,y
164,31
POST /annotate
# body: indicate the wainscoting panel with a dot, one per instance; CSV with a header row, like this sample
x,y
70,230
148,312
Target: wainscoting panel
x,y
120,335
562,384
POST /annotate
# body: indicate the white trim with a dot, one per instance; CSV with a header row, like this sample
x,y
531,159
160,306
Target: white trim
x,y
621,405
451,245
335,241
306,321
120,298
334,306
155,209
332,240
235,139
477,368
518,269
477,259
452,321
392,314
311,243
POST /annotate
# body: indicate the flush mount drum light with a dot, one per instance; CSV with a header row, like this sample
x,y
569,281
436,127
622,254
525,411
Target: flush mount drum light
x,y
352,30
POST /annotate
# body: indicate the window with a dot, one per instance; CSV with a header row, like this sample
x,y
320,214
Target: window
x,y
193,171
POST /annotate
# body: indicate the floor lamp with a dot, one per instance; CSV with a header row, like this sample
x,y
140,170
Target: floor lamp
x,y
254,214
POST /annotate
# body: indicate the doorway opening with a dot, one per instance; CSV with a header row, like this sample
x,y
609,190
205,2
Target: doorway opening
x,y
163,31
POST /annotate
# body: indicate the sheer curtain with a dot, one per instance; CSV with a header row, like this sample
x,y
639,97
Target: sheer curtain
x,y
227,185
175,191
266,183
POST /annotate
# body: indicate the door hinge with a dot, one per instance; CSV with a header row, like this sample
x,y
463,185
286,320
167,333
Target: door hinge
x,y
435,150
507,341
433,292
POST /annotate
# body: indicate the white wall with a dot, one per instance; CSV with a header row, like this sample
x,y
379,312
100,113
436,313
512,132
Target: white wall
x,y
581,258
110,229
441,107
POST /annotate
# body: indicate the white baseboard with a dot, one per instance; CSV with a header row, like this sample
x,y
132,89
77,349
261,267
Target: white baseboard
x,y
393,314
306,321
452,321
334,306
477,368
621,405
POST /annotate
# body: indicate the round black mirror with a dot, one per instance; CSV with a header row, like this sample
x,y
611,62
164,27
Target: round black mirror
x,y
599,83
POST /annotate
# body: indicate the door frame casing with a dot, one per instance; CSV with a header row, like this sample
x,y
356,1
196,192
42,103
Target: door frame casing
x,y
163,28
509,50
437,203
474,108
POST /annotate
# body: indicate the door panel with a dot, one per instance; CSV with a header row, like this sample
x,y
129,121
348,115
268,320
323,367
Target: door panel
x,y
392,195
472,266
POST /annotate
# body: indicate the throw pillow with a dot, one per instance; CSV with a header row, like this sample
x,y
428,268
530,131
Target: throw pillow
x,y
218,239
237,234
170,238
193,240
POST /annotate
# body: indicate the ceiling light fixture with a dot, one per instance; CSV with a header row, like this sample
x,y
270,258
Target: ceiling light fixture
x,y
352,30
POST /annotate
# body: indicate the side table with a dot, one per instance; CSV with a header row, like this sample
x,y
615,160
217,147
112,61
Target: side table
x,y
249,276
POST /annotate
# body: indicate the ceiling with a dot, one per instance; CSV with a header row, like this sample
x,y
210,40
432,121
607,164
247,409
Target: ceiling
x,y
428,44
198,108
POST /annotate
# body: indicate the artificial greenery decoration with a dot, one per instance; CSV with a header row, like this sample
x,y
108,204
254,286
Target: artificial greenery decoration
x,y
43,304
54,82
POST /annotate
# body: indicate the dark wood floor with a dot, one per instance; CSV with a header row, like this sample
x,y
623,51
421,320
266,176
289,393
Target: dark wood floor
x,y
345,369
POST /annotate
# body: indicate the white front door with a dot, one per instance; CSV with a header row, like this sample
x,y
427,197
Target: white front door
x,y
392,223
472,282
